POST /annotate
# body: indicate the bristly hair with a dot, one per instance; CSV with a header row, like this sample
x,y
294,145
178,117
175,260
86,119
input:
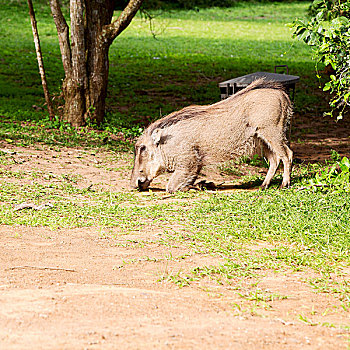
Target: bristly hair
x,y
260,83
194,111
177,116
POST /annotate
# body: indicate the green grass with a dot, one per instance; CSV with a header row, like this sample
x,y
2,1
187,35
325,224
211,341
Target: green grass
x,y
57,135
192,53
316,222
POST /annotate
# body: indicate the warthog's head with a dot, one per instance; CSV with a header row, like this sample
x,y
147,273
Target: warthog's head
x,y
148,161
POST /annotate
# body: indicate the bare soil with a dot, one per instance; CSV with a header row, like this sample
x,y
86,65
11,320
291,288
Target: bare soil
x,y
313,139
79,289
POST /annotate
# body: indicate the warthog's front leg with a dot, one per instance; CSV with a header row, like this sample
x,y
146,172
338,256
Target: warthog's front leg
x,y
181,180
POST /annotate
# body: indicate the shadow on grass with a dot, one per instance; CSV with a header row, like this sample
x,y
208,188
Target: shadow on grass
x,y
248,185
203,185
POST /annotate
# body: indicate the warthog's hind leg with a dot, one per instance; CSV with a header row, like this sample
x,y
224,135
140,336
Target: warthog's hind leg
x,y
277,143
273,165
287,163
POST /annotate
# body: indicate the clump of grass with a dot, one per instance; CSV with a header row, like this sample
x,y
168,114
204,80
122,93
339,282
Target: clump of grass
x,y
316,221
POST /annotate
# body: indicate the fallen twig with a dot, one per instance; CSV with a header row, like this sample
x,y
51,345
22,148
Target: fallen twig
x,y
167,196
32,206
39,268
10,152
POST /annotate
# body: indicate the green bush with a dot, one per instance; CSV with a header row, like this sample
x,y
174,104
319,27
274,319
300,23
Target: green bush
x,y
335,178
328,32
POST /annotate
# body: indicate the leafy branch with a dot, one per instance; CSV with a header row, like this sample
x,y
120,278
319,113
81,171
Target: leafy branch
x,y
328,32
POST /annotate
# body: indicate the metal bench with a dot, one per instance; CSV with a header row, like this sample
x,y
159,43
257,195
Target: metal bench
x,y
230,87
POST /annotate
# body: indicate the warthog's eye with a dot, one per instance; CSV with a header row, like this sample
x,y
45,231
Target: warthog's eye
x,y
142,148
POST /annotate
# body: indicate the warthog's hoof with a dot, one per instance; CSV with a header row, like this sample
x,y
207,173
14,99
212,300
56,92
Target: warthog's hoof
x,y
204,185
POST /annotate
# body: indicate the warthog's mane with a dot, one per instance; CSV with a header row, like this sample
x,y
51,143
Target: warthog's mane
x,y
175,117
195,111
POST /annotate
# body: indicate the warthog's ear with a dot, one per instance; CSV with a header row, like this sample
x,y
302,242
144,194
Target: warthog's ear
x,y
157,136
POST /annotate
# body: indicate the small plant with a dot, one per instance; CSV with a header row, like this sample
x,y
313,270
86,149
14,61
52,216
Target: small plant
x,y
307,321
335,178
335,156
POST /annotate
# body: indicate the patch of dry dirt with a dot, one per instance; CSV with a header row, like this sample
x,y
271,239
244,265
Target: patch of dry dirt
x,y
74,289
85,168
314,138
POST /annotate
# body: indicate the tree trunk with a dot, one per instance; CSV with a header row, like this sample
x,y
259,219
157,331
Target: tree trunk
x,y
85,85
97,86
85,92
97,57
76,80
85,56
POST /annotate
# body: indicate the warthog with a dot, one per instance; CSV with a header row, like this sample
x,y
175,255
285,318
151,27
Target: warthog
x,y
252,120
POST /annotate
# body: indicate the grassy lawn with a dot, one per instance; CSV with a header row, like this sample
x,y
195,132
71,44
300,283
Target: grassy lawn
x,y
190,54
149,77
316,222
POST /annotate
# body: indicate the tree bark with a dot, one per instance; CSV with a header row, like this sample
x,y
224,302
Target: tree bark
x,y
75,84
85,55
40,59
97,57
112,30
63,35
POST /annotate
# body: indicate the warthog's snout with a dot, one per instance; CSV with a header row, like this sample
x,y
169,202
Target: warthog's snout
x,y
143,183
140,182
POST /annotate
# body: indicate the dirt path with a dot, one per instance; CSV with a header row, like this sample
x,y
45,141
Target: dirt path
x,y
76,289
70,289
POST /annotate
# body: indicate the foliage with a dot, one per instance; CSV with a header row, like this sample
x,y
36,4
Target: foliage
x,y
335,178
328,32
